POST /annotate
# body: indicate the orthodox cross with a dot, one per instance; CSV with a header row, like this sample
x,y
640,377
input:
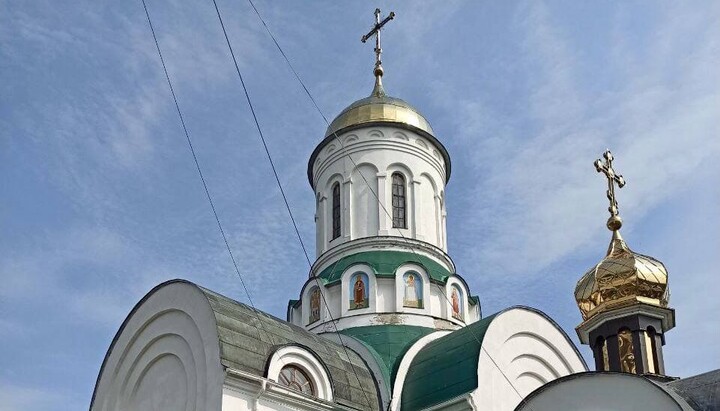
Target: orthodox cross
x,y
376,31
612,178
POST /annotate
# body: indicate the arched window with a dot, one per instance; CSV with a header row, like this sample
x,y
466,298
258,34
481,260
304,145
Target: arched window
x,y
336,214
398,201
296,379
300,370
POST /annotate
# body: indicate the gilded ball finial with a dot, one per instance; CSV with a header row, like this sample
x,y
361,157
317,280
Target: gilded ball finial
x,y
614,223
378,72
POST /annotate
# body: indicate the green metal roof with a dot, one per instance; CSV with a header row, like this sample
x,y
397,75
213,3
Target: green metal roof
x,y
445,368
384,263
388,344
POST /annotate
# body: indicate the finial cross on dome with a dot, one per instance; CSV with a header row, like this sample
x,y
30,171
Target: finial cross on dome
x,y
614,222
378,51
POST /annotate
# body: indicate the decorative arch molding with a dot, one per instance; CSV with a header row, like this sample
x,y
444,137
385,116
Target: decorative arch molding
x,y
171,333
351,139
400,168
293,355
348,287
400,135
375,133
529,349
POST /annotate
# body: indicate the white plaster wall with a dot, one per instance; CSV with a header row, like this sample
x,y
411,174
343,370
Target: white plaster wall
x,y
384,149
592,392
386,294
166,357
530,350
363,204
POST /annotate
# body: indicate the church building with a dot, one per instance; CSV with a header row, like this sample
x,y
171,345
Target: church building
x,y
384,322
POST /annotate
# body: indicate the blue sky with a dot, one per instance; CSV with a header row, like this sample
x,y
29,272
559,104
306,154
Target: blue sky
x,y
100,199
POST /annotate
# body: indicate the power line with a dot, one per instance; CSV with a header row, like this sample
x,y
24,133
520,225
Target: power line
x,y
344,150
202,179
282,191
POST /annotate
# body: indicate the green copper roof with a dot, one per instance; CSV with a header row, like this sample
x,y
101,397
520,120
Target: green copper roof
x,y
385,263
388,344
445,368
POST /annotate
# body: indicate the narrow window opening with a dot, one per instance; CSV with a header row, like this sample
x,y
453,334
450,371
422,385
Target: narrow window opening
x,y
399,201
336,214
652,350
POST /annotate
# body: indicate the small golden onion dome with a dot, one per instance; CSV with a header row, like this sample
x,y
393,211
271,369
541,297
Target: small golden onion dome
x,y
622,278
379,108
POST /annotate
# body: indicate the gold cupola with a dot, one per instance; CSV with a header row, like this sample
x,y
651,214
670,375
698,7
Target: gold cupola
x,y
620,279
623,277
624,300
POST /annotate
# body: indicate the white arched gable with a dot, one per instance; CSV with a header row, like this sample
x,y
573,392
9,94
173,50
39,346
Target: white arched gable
x,y
165,355
306,361
400,289
447,311
347,289
522,347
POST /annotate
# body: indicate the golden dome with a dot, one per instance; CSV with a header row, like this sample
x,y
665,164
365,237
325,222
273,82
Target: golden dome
x,y
622,278
379,108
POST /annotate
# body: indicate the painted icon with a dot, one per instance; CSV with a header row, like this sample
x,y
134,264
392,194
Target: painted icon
x,y
456,298
314,305
413,296
359,297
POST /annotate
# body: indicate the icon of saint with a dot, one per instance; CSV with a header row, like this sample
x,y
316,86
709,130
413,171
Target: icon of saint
x,y
315,305
359,293
411,299
455,303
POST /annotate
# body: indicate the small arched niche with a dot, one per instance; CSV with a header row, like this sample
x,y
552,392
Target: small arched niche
x,y
359,290
412,289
